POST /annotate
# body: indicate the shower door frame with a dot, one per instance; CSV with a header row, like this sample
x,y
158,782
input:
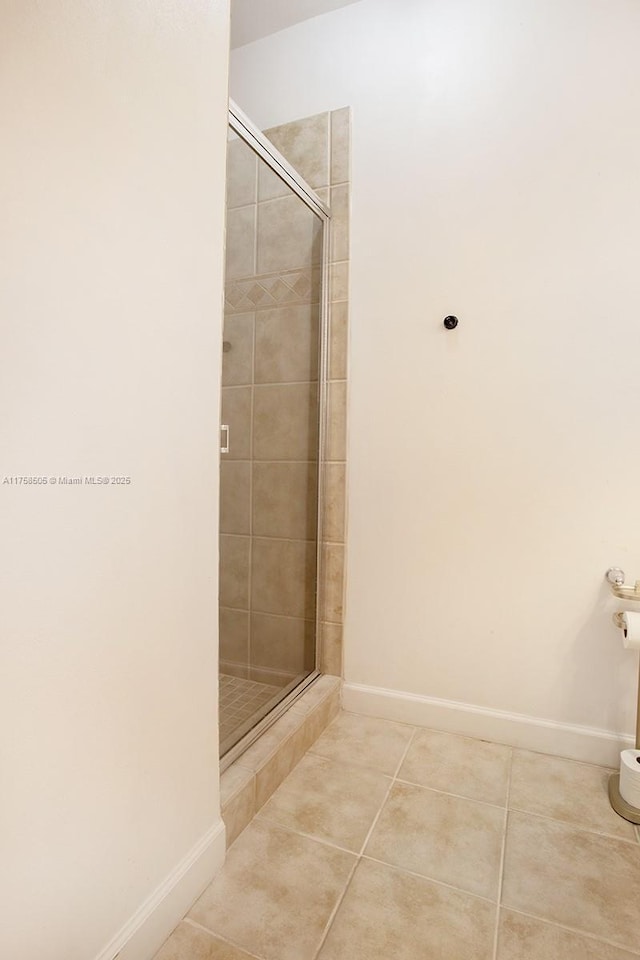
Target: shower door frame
x,y
255,139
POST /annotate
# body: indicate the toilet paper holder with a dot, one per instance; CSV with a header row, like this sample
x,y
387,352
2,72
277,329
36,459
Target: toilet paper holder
x,y
616,578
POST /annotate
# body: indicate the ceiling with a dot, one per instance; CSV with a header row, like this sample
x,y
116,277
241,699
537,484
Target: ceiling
x,y
254,19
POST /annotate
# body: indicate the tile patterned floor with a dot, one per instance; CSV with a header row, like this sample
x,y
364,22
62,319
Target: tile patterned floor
x,y
390,841
239,700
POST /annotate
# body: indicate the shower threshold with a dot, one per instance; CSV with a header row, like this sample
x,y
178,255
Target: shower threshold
x,y
247,708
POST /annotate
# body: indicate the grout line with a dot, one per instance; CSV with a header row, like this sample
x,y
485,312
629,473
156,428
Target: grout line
x,y
348,763
574,826
421,876
386,796
502,858
300,833
400,723
576,930
358,859
248,536
334,912
448,793
218,936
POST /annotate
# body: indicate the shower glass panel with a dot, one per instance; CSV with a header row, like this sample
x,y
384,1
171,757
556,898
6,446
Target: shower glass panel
x,y
271,413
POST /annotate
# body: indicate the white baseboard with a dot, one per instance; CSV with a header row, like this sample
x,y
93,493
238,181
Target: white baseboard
x,y
588,744
145,932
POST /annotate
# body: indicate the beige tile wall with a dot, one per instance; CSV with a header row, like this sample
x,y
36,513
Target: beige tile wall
x,y
334,473
268,480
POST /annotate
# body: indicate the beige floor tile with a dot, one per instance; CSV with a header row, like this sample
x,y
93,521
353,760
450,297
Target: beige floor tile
x,y
330,801
572,877
523,938
470,768
366,741
275,893
190,943
445,838
387,914
565,790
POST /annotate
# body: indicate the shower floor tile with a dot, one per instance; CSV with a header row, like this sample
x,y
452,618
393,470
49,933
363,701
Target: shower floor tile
x,y
240,699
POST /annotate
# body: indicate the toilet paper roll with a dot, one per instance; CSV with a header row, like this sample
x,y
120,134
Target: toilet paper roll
x,y
630,777
631,630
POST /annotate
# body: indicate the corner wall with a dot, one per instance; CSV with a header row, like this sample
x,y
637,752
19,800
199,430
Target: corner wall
x,y
112,177
493,469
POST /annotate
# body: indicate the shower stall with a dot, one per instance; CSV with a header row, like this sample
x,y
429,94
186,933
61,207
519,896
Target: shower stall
x,y
274,376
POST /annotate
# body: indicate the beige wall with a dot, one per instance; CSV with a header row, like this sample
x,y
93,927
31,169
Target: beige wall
x,y
112,180
493,470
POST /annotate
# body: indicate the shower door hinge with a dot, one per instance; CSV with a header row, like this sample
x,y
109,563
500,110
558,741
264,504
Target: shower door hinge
x,y
224,438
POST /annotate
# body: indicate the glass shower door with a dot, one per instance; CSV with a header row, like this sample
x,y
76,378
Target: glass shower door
x,y
271,406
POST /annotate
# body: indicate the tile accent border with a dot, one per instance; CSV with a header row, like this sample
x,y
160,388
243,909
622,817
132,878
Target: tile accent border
x,y
263,292
573,741
249,782
145,932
